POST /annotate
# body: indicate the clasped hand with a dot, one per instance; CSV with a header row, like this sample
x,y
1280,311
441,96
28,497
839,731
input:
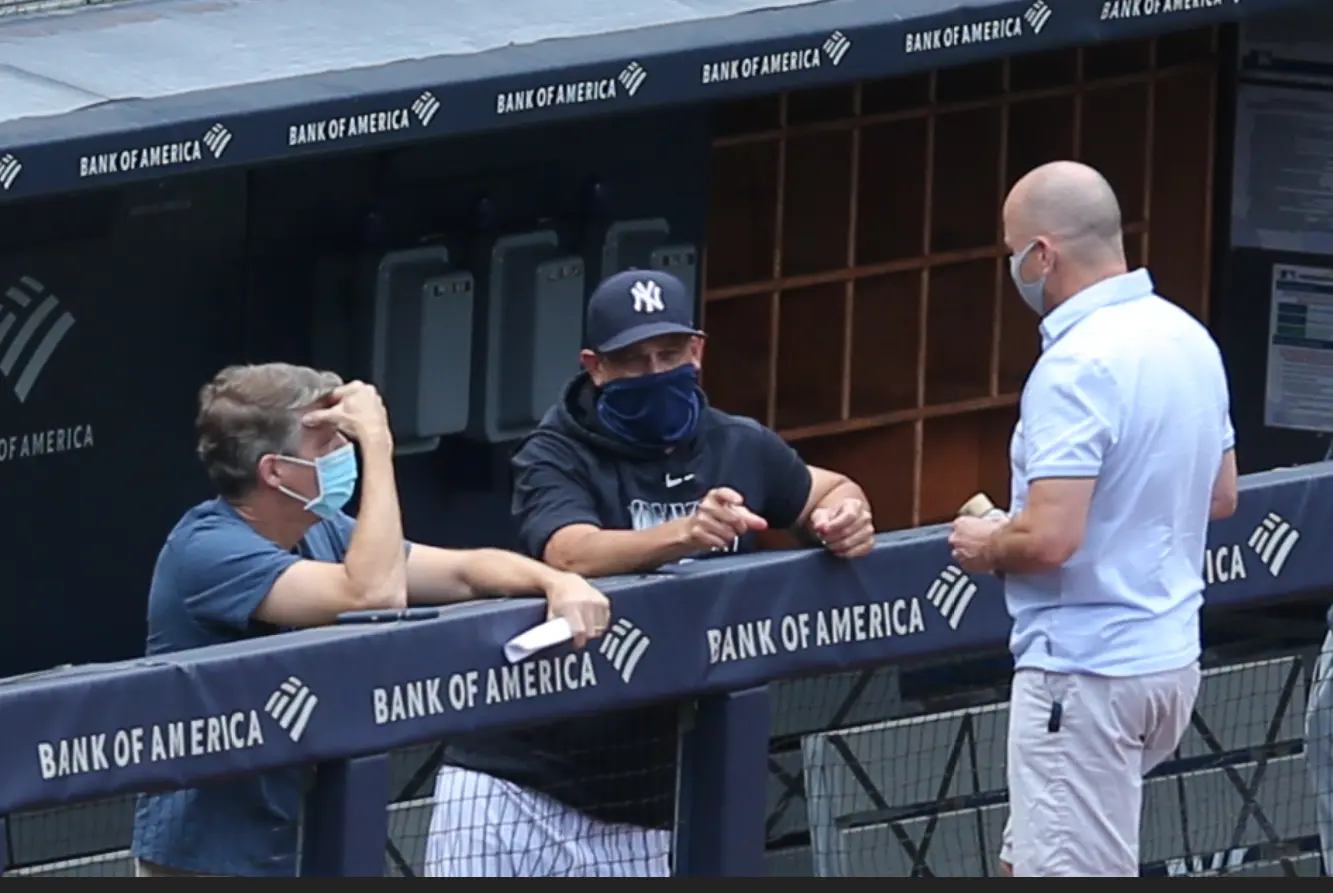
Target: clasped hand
x,y
847,529
967,542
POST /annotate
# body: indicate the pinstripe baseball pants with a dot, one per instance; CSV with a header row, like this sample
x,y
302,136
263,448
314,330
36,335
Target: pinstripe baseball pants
x,y
483,826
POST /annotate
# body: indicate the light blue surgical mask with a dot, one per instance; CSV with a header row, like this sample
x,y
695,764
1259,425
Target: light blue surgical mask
x,y
336,474
1033,293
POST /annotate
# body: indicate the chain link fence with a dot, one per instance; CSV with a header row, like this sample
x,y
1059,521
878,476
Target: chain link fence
x,y
924,795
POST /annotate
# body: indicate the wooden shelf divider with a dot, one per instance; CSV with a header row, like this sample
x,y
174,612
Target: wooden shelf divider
x,y
856,281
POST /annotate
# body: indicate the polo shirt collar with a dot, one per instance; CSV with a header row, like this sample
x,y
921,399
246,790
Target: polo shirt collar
x,y
1115,290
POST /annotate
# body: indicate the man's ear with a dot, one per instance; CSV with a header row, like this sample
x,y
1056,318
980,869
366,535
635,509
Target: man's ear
x,y
592,364
266,472
1048,257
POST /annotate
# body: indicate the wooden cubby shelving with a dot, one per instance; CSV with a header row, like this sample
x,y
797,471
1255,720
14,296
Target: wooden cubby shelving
x,y
856,285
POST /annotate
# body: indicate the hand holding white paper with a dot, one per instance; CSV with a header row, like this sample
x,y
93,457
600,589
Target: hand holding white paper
x,y
539,638
980,506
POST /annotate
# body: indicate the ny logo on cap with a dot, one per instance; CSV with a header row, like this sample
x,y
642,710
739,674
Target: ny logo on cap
x,y
647,297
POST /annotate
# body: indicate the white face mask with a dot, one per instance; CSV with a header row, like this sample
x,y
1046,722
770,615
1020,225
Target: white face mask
x,y
1033,293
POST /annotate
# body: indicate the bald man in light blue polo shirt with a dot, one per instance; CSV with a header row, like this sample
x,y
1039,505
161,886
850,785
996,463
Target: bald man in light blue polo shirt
x,y
1123,452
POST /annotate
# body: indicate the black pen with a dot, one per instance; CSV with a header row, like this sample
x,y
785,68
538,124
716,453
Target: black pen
x,y
389,616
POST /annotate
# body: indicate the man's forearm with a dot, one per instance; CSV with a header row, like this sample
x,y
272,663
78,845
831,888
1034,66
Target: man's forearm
x,y
604,553
1014,549
500,573
375,557
1222,506
845,490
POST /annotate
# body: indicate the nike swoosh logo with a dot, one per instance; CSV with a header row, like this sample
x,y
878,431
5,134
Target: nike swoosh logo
x,y
676,482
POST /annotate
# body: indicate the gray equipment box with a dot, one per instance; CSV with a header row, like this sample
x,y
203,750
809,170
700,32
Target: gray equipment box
x,y
420,345
533,329
646,245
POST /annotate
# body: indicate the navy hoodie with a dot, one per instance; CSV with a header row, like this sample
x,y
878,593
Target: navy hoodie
x,y
621,767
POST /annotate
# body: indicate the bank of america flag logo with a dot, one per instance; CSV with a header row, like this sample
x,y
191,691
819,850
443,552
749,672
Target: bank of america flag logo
x,y
623,645
32,325
836,47
9,171
1273,541
951,592
217,139
290,707
1037,16
632,78
425,107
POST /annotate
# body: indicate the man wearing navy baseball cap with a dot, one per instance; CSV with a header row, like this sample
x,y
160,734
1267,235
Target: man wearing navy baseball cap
x,y
636,305
630,471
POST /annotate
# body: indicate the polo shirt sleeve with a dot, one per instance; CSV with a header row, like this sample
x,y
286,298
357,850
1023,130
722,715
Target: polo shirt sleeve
x,y
224,571
551,492
1070,417
1228,433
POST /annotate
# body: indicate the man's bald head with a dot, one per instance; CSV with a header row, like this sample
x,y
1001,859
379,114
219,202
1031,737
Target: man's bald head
x,y
1069,214
1065,201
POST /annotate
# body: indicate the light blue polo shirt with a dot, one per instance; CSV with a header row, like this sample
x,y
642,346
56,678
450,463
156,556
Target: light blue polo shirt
x,y
1130,390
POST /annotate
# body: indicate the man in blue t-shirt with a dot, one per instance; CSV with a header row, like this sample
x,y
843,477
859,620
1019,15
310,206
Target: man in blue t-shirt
x,y
274,551
630,471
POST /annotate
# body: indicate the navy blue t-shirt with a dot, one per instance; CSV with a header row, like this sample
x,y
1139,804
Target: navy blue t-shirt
x,y
210,577
570,471
621,767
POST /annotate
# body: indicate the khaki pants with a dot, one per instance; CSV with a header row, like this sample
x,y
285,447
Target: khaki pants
x,y
150,869
1076,786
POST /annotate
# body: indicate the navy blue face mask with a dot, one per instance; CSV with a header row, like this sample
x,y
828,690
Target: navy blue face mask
x,y
658,410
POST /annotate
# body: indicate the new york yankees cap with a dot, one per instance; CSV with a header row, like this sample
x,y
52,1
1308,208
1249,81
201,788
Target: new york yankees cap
x,y
636,305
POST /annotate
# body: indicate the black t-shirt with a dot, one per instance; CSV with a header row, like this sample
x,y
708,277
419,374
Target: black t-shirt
x,y
621,767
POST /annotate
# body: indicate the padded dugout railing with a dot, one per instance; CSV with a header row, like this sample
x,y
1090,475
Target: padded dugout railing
x,y
716,633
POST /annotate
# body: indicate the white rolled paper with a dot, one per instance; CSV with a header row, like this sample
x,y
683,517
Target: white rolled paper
x,y
539,638
980,506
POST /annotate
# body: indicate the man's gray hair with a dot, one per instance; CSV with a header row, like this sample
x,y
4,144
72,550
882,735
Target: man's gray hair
x,y
247,412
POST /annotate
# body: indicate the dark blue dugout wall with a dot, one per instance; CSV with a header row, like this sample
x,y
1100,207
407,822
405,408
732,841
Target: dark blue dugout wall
x,y
462,193
169,281
96,462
